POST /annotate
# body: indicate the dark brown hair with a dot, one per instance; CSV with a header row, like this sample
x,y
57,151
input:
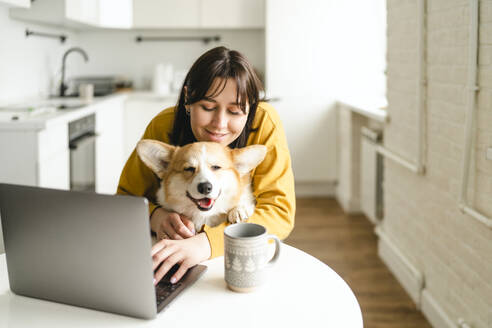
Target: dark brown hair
x,y
221,63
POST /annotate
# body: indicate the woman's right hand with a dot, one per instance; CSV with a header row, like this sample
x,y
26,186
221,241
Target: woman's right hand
x,y
171,225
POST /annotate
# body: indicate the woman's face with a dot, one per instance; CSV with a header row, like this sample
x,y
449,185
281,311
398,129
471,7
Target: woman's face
x,y
220,118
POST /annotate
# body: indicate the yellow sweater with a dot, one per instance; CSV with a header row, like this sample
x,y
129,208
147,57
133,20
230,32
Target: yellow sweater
x,y
272,180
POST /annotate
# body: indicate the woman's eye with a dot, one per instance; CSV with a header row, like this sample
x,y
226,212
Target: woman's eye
x,y
190,169
207,109
235,112
216,167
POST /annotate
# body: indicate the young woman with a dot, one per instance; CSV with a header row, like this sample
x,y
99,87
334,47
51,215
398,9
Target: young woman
x,y
220,102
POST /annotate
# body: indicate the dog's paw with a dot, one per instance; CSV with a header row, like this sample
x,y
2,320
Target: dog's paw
x,y
239,214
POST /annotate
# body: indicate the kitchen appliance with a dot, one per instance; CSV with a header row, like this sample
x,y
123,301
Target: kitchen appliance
x,y
162,80
82,143
103,85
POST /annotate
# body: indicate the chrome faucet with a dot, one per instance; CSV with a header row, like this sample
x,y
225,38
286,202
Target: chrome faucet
x,y
63,87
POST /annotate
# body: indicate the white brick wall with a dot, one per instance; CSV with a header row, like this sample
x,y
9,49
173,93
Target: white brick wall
x,y
453,250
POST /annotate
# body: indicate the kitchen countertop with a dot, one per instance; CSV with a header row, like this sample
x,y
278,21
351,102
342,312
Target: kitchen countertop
x,y
151,96
60,116
373,110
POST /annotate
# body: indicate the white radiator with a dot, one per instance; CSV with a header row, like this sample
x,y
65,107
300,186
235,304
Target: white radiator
x,y
371,175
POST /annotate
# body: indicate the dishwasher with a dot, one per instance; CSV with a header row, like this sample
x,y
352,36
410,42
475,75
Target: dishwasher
x,y
82,143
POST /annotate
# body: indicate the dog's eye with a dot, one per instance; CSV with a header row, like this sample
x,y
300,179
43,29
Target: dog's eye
x,y
216,167
190,169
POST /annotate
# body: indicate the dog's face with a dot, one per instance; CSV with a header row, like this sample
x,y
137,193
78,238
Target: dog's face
x,y
200,179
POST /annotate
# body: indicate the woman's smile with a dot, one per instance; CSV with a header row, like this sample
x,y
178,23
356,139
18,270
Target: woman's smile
x,y
215,136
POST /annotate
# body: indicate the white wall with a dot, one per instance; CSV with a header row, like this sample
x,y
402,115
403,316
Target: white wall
x,y
318,52
357,40
116,52
27,65
30,67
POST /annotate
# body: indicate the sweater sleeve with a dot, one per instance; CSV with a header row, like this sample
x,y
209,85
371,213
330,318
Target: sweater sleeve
x,y
273,186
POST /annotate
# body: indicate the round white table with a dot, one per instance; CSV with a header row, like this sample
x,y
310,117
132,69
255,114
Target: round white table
x,y
301,291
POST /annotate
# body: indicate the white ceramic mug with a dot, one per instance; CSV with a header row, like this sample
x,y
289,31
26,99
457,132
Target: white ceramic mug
x,y
86,92
246,256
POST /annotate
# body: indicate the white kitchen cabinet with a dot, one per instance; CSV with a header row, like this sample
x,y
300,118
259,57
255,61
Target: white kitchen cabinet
x,y
37,153
83,11
144,14
198,13
115,13
100,13
139,111
78,14
17,3
35,157
109,145
166,13
233,14
53,170
54,12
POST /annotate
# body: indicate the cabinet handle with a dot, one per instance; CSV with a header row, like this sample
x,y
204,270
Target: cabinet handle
x,y
80,141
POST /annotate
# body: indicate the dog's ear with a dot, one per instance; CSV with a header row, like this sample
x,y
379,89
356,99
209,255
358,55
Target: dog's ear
x,y
247,158
156,155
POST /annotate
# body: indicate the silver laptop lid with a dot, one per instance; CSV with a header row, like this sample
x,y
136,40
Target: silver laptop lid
x,y
79,248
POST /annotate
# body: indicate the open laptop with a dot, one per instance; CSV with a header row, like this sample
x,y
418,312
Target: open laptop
x,y
84,249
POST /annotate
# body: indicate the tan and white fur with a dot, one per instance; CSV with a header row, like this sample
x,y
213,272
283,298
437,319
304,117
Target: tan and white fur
x,y
205,181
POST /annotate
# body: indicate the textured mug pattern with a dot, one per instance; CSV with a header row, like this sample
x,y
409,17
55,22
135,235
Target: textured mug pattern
x,y
244,269
245,261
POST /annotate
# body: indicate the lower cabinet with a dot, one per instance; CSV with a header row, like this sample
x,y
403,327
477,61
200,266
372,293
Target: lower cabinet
x,y
109,145
139,111
53,157
35,157
55,171
42,157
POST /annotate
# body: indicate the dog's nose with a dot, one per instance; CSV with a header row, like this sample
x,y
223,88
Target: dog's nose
x,y
204,188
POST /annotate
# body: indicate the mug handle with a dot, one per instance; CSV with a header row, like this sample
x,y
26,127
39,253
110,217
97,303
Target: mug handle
x,y
277,249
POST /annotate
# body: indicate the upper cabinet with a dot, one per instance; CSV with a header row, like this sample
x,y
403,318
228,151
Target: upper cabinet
x,y
82,11
78,14
144,14
233,13
166,13
17,3
115,13
198,13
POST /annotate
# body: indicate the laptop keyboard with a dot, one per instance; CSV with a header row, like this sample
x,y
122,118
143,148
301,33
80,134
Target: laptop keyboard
x,y
164,289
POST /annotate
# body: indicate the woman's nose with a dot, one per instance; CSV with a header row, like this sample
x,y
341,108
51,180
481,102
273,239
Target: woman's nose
x,y
220,120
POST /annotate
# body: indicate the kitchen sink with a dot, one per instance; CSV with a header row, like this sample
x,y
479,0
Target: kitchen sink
x,y
33,109
65,103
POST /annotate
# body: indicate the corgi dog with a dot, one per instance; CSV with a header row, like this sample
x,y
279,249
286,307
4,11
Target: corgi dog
x,y
205,181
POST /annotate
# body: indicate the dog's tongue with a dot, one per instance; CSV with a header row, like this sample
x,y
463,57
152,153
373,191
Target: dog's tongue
x,y
205,202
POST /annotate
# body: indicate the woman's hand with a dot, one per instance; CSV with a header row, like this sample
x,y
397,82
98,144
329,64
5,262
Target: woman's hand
x,y
170,225
185,252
